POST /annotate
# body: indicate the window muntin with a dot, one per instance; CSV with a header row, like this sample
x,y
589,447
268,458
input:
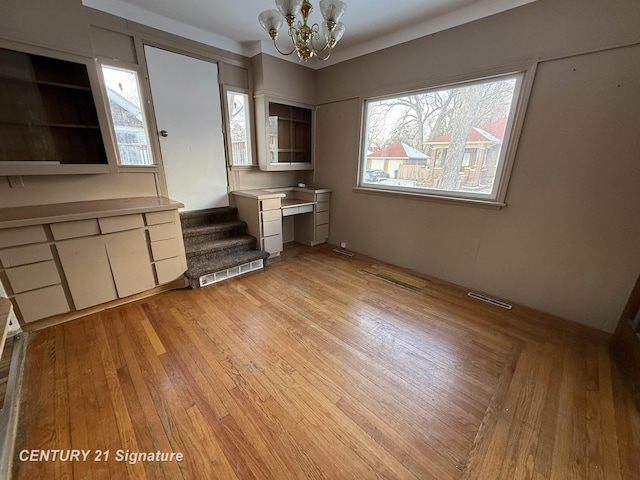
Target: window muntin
x,y
447,141
127,115
239,128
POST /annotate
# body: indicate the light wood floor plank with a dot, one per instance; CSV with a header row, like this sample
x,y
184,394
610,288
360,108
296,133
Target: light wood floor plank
x,y
310,369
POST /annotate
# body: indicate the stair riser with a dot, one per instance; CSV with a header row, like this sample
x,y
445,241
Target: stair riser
x,y
199,238
208,218
213,256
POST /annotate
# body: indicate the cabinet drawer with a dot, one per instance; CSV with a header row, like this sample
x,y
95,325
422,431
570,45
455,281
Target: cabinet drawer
x,y
162,232
323,197
30,277
271,228
272,244
12,257
289,211
322,232
42,303
322,207
322,218
120,223
155,218
270,215
165,249
170,269
12,237
270,204
79,228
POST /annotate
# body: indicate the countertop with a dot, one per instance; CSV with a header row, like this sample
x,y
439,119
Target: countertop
x,y
64,212
277,192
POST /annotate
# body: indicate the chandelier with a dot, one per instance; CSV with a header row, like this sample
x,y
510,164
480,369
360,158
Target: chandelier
x,y
302,35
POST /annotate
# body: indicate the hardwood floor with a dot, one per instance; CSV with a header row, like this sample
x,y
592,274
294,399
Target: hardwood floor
x,y
313,369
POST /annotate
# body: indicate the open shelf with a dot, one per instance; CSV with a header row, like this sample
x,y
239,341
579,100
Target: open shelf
x,y
47,114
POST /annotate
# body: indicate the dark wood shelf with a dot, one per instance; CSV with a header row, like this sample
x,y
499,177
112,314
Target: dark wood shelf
x,y
47,113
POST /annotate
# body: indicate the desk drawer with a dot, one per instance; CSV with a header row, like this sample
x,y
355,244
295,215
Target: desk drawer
x,y
322,207
270,204
272,244
323,197
289,211
12,257
322,218
271,228
271,215
305,208
322,232
31,277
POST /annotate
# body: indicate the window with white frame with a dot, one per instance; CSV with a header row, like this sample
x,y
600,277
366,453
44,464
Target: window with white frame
x,y
449,141
127,115
239,128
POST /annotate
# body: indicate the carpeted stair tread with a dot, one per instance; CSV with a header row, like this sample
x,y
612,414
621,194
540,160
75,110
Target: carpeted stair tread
x,y
216,240
236,259
222,244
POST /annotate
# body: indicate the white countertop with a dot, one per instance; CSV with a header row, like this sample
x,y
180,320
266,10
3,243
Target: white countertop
x,y
277,192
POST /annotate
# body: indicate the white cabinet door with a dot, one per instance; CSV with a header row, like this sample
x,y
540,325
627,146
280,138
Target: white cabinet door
x,y
186,100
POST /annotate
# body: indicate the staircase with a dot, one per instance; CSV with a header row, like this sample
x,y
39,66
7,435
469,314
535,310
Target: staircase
x,y
217,246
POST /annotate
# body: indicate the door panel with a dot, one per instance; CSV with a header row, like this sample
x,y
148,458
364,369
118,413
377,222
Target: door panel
x,y
186,100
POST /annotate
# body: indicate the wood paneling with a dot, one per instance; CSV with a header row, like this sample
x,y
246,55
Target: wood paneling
x,y
312,369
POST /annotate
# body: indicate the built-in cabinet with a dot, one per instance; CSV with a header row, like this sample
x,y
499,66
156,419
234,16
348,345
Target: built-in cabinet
x,y
284,134
265,210
54,267
49,120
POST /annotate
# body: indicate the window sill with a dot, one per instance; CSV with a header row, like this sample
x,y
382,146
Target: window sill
x,y
138,168
471,202
243,167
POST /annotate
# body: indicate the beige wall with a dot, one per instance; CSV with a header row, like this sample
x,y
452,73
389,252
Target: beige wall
x,y
67,26
567,242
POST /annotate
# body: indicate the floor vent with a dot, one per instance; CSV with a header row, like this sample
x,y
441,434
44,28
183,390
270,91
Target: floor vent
x,y
343,252
490,300
210,278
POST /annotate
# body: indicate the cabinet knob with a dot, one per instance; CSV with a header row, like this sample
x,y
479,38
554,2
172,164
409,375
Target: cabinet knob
x,y
164,133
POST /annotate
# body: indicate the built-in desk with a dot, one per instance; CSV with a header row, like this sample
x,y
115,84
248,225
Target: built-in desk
x,y
266,213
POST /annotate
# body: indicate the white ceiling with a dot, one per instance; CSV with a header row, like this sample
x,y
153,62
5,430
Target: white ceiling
x,y
371,24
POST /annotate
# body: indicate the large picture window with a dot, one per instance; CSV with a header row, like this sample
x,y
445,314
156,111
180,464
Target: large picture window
x,y
447,142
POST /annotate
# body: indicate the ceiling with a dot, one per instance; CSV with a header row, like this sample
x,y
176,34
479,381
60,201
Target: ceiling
x,y
371,25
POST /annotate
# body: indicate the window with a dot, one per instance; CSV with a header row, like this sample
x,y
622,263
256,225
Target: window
x,y
239,128
447,142
127,114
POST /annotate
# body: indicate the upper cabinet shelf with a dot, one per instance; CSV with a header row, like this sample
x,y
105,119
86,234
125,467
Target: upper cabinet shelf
x,y
285,135
49,123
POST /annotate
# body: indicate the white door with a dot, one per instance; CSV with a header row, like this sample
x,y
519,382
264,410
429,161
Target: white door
x,y
186,100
